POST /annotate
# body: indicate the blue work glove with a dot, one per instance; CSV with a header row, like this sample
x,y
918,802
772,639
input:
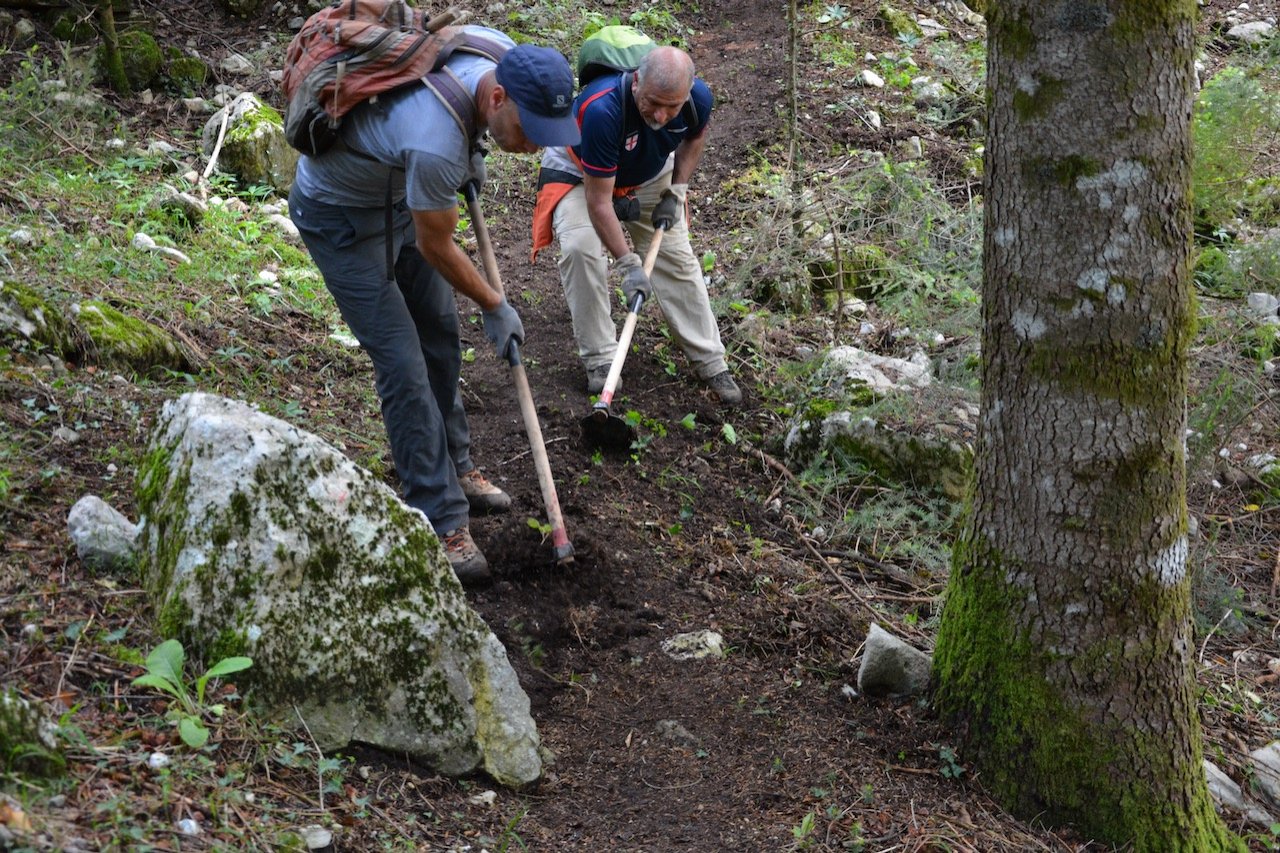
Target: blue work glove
x,y
502,327
634,280
666,212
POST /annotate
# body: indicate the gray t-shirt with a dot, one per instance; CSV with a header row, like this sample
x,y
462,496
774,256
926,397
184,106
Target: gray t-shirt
x,y
408,134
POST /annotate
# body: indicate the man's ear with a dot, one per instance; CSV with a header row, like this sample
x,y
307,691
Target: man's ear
x,y
497,96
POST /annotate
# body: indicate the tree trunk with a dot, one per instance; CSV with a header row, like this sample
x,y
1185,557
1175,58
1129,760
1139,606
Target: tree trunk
x,y
111,48
1065,654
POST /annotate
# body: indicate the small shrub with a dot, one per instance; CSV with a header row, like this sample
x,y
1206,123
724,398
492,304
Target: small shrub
x,y
1232,117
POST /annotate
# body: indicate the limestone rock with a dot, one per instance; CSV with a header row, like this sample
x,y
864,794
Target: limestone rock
x,y
104,539
891,667
261,539
254,148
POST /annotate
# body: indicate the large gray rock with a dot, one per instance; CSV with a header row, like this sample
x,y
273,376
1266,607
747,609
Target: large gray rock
x,y
261,539
104,539
891,667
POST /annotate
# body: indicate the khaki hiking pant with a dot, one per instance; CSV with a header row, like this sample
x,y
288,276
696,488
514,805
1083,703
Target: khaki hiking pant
x,y
678,287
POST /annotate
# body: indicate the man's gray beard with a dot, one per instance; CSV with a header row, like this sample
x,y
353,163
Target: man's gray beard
x,y
654,125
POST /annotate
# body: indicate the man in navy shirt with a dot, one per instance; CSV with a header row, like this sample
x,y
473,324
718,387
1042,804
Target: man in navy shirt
x,y
643,133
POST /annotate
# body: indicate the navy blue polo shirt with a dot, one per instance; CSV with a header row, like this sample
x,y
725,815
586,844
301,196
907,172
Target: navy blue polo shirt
x,y
616,143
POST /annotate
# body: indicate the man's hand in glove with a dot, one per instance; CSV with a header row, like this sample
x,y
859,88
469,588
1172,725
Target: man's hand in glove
x,y
668,208
502,327
634,280
478,173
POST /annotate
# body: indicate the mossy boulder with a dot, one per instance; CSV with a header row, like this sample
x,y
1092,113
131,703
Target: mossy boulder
x,y
261,539
926,461
27,737
898,23
24,313
128,342
140,53
73,26
187,74
254,150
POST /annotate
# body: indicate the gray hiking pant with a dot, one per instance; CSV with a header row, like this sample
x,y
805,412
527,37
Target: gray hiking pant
x,y
678,288
409,328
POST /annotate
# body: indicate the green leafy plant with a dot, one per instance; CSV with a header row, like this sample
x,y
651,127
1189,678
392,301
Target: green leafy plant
x,y
803,832
950,766
164,672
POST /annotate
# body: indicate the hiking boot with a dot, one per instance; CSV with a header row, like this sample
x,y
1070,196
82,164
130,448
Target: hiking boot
x,y
482,495
596,377
465,558
725,388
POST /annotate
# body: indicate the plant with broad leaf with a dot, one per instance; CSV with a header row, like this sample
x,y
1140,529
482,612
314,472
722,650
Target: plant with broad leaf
x,y
164,672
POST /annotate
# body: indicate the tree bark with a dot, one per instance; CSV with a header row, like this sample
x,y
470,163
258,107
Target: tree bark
x,y
1065,655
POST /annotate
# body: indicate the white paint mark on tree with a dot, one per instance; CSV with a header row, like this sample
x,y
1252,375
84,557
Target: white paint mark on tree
x,y
1094,279
1027,325
1170,565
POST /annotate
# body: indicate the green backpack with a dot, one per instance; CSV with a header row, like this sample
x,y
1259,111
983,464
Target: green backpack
x,y
611,50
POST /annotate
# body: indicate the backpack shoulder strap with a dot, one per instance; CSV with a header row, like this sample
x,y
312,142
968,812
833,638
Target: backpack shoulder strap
x,y
446,86
479,45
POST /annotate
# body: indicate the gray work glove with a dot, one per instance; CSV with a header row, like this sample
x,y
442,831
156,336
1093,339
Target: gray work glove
x,y
634,280
667,211
502,327
478,173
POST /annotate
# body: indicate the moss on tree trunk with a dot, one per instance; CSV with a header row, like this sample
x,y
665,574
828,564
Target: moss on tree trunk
x,y
1065,650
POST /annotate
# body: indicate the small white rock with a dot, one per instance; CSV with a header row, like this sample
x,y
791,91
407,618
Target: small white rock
x,y
316,837
484,798
187,826
871,78
694,645
157,760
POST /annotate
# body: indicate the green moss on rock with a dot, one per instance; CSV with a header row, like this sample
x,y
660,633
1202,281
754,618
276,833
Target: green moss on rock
x,y
898,22
128,342
141,56
187,74
255,150
30,315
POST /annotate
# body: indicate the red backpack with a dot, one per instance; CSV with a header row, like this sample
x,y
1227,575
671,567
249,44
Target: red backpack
x,y
355,50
